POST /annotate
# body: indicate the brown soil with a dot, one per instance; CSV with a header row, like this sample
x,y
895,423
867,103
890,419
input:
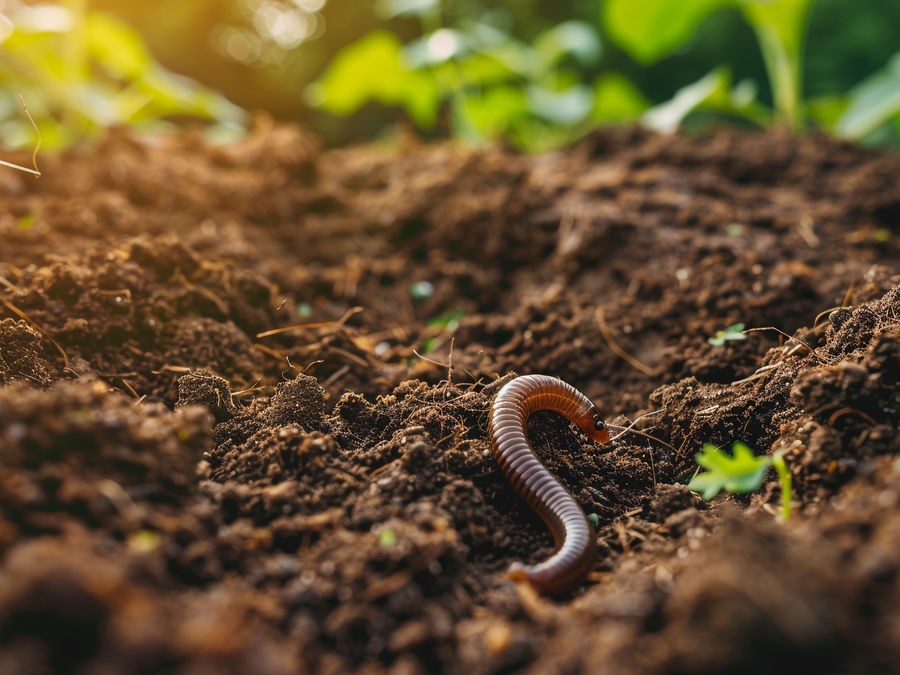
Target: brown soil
x,y
219,452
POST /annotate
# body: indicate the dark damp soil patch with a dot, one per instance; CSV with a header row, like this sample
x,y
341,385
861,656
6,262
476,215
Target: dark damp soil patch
x,y
219,451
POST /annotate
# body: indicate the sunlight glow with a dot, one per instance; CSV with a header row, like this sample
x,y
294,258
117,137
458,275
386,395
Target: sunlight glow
x,y
41,18
276,27
443,44
286,26
309,6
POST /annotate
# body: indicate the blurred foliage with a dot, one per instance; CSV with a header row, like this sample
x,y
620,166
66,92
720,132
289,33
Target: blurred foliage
x,y
871,103
81,71
490,84
649,31
534,73
544,93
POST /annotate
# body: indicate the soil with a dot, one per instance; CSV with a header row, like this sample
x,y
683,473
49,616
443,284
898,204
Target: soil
x,y
243,399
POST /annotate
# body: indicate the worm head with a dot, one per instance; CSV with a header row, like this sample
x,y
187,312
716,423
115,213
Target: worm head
x,y
594,426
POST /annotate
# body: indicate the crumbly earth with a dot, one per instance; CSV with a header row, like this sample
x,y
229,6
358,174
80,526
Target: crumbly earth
x,y
244,389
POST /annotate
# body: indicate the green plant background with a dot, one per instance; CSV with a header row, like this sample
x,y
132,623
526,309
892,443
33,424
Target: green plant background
x,y
533,73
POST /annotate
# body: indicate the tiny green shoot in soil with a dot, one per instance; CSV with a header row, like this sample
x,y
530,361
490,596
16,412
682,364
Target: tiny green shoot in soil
x,y
387,538
734,332
440,327
740,473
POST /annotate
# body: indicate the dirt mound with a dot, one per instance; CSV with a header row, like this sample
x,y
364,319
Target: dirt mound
x,y
244,395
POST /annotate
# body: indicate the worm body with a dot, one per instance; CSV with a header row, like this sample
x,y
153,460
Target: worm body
x,y
572,532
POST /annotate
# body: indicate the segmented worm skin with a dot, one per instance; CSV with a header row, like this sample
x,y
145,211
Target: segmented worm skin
x,y
572,532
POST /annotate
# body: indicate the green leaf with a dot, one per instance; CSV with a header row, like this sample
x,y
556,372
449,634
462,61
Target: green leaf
x,y
185,96
41,55
388,9
785,18
710,89
473,70
373,68
116,47
516,57
534,135
780,27
387,538
566,107
617,100
733,332
440,46
826,111
570,37
85,70
873,102
360,72
448,321
478,117
651,29
742,472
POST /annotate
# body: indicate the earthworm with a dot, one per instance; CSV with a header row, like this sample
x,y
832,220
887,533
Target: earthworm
x,y
572,532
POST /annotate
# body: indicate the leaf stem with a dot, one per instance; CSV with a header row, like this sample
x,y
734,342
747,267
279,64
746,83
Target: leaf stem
x,y
786,481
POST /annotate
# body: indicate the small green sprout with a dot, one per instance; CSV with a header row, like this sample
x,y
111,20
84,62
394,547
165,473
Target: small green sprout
x,y
448,321
733,332
739,473
438,327
594,520
387,538
787,485
27,221
144,541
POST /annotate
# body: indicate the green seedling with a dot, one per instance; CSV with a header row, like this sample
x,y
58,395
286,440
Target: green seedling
x,y
27,221
594,520
439,327
144,541
734,332
387,538
787,485
740,473
448,321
